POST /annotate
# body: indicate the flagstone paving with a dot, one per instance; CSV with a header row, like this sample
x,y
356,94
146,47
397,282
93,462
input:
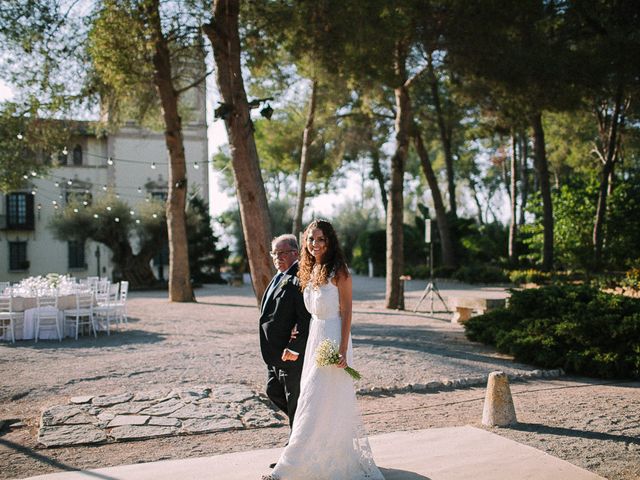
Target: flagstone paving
x,y
136,416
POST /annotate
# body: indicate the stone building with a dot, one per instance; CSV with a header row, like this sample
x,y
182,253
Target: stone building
x,y
131,162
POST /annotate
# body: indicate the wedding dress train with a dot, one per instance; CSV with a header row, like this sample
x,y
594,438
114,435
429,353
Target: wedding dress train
x,y
327,441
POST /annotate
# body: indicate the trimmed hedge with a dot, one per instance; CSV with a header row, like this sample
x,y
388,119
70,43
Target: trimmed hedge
x,y
575,327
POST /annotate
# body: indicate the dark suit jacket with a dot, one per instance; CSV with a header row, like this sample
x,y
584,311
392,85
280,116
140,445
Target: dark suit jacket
x,y
278,314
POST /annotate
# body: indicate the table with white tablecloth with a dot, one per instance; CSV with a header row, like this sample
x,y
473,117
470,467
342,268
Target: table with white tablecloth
x,y
24,327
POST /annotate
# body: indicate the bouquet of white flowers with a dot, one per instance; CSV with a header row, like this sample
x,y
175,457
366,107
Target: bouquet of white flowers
x,y
327,354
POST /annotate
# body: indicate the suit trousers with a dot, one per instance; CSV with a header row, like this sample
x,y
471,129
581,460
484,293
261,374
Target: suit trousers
x,y
283,389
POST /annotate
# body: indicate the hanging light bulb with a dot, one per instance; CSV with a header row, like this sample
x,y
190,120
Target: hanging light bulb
x,y
137,220
39,206
56,184
153,165
20,136
139,189
69,182
95,215
75,210
117,195
132,212
155,215
34,191
65,151
110,161
26,177
85,203
117,219
196,166
109,208
54,202
34,173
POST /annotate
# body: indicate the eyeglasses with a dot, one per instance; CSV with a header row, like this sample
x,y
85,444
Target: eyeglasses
x,y
280,253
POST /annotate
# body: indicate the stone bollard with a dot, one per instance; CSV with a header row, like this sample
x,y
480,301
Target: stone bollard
x,y
498,405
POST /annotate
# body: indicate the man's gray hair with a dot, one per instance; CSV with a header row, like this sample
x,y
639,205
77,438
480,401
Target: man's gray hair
x,y
287,237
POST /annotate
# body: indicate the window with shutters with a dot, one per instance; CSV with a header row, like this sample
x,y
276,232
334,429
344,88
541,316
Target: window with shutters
x,y
18,256
20,211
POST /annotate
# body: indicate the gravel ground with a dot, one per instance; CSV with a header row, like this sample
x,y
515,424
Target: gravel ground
x,y
592,424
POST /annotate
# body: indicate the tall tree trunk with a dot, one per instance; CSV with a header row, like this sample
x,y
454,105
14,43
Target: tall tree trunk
x,y
524,176
254,211
476,199
395,210
513,188
180,289
305,160
376,171
445,137
542,168
446,239
608,153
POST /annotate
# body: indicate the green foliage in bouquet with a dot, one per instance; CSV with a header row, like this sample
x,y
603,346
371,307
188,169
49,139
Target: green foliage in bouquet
x,y
575,327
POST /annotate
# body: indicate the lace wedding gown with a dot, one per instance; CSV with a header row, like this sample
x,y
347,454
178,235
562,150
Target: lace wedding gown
x,y
327,440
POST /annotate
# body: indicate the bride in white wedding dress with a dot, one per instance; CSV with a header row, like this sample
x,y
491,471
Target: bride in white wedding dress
x,y
327,440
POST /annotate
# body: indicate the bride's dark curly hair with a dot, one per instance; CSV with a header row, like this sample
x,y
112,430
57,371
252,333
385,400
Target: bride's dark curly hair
x,y
333,261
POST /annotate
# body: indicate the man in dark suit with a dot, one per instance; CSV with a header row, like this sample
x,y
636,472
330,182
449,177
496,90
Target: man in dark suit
x,y
282,312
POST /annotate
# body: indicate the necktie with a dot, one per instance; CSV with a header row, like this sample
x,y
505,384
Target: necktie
x,y
275,283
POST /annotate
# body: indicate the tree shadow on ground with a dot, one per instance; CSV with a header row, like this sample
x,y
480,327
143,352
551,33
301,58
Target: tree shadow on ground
x,y
115,339
52,462
572,432
395,474
428,341
220,304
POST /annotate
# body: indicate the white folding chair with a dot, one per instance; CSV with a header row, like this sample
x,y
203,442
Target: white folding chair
x,y
122,303
8,317
4,286
107,310
102,290
82,314
47,314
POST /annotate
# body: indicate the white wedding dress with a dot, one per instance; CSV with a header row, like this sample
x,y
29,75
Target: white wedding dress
x,y
327,440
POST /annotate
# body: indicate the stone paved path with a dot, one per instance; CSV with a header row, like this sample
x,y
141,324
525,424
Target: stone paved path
x,y
152,414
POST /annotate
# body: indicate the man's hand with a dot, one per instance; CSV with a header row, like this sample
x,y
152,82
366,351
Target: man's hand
x,y
289,356
294,333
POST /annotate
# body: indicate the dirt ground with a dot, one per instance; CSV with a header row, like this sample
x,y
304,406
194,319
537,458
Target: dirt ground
x,y
592,424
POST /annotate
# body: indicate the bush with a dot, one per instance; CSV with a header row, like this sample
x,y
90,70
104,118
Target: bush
x,y
632,279
529,276
578,328
480,274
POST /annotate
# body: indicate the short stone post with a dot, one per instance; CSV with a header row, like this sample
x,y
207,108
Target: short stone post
x,y
498,405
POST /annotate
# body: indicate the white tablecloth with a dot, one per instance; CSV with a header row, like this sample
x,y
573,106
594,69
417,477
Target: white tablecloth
x,y
25,328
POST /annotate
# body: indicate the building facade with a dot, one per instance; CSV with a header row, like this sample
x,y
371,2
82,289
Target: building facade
x,y
132,163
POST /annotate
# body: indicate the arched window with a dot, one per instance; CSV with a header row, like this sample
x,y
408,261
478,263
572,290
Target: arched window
x,y
77,155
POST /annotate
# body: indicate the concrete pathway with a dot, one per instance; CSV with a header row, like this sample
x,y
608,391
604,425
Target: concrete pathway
x,y
458,453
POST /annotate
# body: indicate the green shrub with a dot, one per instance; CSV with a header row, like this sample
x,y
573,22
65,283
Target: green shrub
x,y
575,327
480,274
632,279
529,276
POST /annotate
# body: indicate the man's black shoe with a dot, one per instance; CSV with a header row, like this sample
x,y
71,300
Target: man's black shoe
x,y
273,465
